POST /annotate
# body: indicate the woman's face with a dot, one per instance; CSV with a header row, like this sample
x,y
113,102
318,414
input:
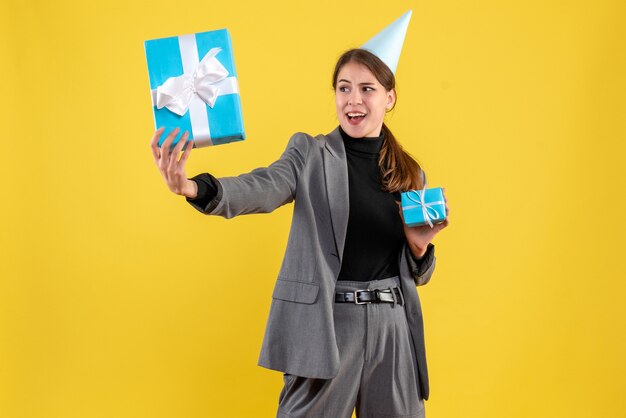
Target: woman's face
x,y
361,101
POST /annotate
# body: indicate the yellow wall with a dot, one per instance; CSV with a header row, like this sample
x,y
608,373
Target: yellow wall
x,y
116,295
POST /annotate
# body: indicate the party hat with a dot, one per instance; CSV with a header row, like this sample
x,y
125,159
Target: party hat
x,y
387,44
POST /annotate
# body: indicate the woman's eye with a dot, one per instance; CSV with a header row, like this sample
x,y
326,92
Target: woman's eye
x,y
343,89
368,89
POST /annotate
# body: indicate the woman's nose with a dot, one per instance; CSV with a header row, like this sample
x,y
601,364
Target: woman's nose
x,y
355,98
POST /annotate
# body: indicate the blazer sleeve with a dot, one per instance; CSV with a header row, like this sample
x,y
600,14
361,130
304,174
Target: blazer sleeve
x,y
422,269
208,193
263,189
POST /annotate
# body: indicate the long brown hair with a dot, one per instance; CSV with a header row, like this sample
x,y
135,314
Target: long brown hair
x,y
399,171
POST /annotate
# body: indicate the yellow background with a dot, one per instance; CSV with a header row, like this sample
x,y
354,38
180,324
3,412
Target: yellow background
x,y
118,299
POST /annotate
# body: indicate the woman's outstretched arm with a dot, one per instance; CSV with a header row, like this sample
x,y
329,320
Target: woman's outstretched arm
x,y
266,188
260,191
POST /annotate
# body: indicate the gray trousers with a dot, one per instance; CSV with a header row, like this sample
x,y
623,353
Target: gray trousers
x,y
378,372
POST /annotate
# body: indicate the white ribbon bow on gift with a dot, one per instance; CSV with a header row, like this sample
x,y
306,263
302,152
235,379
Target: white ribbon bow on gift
x,y
427,210
177,92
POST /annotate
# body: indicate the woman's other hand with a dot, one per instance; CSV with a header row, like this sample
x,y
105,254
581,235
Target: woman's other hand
x,y
172,169
418,237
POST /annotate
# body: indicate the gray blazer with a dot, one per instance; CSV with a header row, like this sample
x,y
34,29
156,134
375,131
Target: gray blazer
x,y
300,335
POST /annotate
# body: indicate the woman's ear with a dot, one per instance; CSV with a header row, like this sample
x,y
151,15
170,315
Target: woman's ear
x,y
391,99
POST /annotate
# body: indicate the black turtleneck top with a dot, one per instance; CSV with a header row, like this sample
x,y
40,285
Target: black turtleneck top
x,y
375,232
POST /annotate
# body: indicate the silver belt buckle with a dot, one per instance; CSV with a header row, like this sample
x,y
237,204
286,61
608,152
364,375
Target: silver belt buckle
x,y
356,297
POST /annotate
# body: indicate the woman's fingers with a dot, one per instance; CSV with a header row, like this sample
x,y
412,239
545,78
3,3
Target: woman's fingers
x,y
167,157
177,148
172,163
165,146
176,171
188,147
171,167
154,144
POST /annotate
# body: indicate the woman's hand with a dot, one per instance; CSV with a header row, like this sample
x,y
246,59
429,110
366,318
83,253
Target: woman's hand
x,y
172,169
418,237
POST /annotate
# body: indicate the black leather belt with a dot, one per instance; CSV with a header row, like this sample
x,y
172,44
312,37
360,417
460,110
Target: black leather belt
x,y
361,297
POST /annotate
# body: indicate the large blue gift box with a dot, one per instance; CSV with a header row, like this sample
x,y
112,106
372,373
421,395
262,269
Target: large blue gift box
x,y
421,207
194,87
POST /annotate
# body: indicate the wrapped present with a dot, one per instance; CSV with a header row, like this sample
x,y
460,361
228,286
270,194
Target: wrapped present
x,y
421,207
194,87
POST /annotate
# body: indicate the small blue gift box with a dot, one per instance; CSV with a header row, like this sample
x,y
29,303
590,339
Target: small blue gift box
x,y
421,207
194,87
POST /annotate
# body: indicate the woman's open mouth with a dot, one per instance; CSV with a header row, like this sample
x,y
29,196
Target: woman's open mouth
x,y
355,117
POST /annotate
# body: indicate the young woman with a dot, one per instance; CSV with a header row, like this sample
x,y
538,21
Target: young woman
x,y
345,324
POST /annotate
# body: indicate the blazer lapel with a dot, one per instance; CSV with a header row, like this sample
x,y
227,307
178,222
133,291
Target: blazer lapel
x,y
336,178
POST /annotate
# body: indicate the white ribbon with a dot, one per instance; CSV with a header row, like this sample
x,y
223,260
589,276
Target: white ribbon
x,y
427,210
176,93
